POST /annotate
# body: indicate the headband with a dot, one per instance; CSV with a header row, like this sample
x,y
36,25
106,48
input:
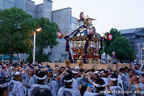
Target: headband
x,y
113,79
17,73
98,85
137,76
4,85
68,81
75,72
42,78
102,72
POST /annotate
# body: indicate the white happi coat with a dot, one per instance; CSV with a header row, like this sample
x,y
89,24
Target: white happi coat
x,y
16,88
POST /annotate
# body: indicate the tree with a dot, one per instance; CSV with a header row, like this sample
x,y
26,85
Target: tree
x,y
123,49
115,33
15,27
46,38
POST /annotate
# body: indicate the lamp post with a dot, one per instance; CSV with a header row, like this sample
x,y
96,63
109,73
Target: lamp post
x,y
37,30
141,54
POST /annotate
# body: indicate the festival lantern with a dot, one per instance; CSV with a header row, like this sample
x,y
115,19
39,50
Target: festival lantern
x,y
20,68
59,34
110,37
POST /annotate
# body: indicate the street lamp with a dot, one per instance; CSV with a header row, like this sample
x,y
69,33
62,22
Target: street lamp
x,y
37,30
141,54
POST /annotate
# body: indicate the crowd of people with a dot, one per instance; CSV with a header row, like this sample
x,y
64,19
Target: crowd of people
x,y
38,80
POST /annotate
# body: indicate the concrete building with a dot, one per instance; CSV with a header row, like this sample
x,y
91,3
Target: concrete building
x,y
136,38
11,3
63,17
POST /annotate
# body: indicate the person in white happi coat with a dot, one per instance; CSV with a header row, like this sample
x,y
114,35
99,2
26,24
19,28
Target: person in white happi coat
x,y
26,78
15,86
102,75
41,78
75,73
113,87
67,89
52,83
100,87
3,87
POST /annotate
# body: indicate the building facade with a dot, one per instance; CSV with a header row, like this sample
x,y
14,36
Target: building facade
x,y
11,3
62,17
136,38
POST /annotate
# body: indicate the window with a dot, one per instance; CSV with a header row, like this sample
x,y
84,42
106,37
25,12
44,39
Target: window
x,y
1,4
137,37
19,3
141,37
8,3
127,37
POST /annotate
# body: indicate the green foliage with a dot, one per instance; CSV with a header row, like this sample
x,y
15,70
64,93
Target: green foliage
x,y
123,49
48,35
15,27
30,59
115,33
106,44
41,57
46,38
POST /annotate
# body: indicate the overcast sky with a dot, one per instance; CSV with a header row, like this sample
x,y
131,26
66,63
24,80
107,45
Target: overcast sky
x,y
120,14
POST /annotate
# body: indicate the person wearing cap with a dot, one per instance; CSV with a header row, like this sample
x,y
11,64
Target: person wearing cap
x,y
15,86
62,72
67,89
41,78
113,87
3,87
100,87
52,83
62,69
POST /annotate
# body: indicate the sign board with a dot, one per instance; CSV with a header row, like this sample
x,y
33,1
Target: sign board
x,y
113,53
113,56
137,55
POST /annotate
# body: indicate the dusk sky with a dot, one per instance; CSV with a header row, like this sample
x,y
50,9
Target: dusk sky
x,y
120,14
